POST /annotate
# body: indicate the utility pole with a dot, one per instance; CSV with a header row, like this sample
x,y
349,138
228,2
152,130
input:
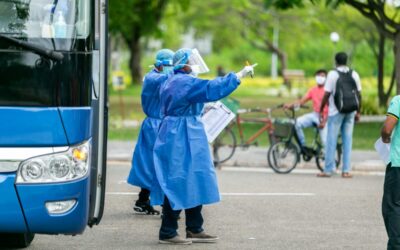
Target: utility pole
x,y
274,57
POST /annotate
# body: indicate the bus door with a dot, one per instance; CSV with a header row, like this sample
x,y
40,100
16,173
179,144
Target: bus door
x,y
100,114
53,95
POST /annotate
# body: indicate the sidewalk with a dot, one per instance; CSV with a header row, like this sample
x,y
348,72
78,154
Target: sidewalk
x,y
362,160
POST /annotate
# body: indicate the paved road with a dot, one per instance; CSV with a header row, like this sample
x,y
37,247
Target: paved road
x,y
259,210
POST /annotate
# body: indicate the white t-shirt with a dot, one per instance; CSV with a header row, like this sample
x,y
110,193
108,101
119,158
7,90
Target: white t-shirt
x,y
330,86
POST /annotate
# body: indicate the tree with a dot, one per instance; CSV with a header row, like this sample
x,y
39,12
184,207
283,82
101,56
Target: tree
x,y
135,19
388,27
259,24
246,20
383,15
357,29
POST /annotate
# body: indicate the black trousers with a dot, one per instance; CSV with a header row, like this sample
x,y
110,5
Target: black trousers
x,y
144,195
391,206
169,224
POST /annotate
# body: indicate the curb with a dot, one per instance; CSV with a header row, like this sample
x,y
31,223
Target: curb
x,y
366,166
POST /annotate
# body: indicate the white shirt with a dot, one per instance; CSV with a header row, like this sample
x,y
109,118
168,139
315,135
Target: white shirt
x,y
330,86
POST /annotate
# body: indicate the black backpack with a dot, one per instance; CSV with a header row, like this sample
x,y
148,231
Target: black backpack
x,y
346,95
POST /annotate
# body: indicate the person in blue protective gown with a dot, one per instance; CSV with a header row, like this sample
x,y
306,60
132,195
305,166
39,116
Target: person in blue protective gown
x,y
142,172
185,174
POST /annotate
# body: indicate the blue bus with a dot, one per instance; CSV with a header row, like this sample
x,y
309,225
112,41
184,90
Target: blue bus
x,y
53,117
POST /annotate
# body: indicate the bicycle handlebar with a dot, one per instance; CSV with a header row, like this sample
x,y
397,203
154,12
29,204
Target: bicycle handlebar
x,y
269,110
251,110
293,110
261,110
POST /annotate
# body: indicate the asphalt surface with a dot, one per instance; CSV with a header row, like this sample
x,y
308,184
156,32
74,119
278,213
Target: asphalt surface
x,y
259,210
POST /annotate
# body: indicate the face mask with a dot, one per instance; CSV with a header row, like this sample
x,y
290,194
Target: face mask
x,y
195,69
167,69
194,74
320,80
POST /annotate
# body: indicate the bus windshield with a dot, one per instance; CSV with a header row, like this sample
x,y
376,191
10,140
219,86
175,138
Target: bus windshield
x,y
65,19
41,63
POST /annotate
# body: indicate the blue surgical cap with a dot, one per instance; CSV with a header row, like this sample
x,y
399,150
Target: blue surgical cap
x,y
164,57
181,58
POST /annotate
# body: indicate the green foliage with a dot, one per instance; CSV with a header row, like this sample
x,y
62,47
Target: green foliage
x,y
370,106
127,14
304,35
284,4
130,17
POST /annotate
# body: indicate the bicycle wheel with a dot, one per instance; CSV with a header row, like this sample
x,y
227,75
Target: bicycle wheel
x,y
283,157
320,157
224,146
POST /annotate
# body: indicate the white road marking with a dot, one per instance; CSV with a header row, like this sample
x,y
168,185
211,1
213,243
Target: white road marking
x,y
295,171
122,193
267,194
231,194
119,163
267,170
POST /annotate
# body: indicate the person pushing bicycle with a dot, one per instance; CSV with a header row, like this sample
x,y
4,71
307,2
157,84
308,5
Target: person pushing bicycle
x,y
315,94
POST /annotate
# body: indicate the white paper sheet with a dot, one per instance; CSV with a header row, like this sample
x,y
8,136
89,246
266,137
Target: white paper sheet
x,y
383,150
215,118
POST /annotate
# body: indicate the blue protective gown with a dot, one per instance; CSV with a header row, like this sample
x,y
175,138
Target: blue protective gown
x,y
142,172
182,160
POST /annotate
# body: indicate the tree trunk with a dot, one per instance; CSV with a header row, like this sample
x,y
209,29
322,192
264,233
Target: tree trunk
x,y
380,62
135,52
283,59
397,61
133,43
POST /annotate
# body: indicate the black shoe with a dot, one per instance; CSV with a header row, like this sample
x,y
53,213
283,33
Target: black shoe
x,y
144,207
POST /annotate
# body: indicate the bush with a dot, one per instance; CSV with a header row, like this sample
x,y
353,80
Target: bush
x,y
370,106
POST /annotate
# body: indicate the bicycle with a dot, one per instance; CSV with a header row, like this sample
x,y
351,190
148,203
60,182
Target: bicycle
x,y
284,155
225,144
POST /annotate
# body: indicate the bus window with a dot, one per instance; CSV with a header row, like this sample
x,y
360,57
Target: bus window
x,y
47,19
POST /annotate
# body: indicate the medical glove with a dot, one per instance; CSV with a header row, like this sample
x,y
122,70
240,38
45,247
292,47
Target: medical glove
x,y
247,70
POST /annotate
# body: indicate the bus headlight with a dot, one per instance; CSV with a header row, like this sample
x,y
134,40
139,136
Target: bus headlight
x,y
60,167
60,207
33,170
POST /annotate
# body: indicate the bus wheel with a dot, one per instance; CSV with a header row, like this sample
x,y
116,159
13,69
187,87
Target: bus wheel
x,y
16,240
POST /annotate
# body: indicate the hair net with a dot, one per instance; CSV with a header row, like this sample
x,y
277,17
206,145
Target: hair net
x,y
181,58
164,57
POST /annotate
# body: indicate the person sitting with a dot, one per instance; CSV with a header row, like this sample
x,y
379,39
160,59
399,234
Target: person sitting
x,y
315,94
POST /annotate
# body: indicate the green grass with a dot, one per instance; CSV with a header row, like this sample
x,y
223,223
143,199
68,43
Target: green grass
x,y
125,134
364,136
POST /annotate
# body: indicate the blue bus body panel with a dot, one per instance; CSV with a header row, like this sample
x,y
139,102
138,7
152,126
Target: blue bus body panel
x,y
76,123
31,127
11,216
34,196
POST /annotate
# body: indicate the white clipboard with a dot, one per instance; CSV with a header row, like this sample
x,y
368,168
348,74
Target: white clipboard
x,y
215,118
